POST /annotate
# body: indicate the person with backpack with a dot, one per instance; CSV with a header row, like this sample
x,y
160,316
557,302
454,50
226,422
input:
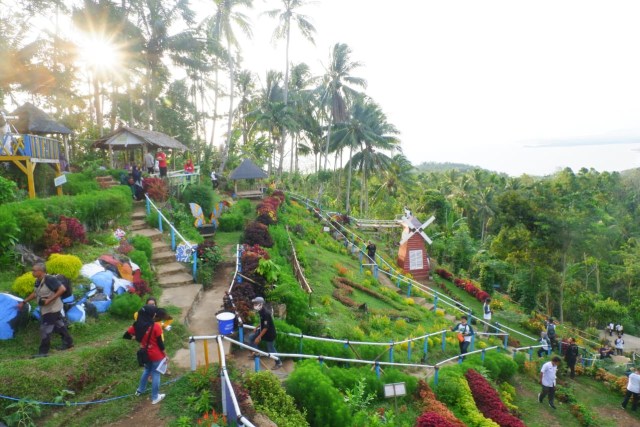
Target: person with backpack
x,y
571,356
486,313
544,342
465,332
151,353
266,331
551,332
48,292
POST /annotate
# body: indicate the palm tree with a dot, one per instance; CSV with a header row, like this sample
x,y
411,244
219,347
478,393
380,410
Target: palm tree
x,y
397,178
337,88
366,130
222,27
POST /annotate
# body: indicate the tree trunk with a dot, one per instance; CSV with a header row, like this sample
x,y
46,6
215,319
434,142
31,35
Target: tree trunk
x,y
225,154
562,285
348,197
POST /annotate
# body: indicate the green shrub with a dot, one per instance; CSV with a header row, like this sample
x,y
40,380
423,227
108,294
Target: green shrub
x,y
201,194
288,292
8,190
142,243
9,231
243,206
270,398
23,285
141,259
520,358
230,222
315,392
69,265
125,305
80,183
32,225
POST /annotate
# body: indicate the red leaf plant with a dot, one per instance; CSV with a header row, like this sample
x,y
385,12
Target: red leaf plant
x,y
436,413
488,401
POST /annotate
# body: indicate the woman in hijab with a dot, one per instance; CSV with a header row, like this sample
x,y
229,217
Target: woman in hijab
x,y
149,334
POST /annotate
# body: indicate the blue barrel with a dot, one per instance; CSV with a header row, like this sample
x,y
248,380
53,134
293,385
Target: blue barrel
x,y
225,323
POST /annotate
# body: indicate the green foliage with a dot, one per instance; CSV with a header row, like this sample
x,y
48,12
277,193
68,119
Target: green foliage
x,y
123,306
201,194
32,225
140,258
24,413
269,270
8,190
608,309
9,230
270,398
68,265
356,398
287,291
315,392
499,366
229,221
23,285
80,183
520,358
243,206
142,243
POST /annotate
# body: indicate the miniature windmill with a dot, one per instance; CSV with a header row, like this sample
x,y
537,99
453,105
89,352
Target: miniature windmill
x,y
412,255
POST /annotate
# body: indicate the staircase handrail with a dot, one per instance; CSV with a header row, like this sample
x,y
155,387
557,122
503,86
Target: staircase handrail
x,y
174,232
227,381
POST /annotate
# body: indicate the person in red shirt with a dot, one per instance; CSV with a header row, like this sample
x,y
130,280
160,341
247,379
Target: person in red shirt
x,y
149,334
162,163
189,168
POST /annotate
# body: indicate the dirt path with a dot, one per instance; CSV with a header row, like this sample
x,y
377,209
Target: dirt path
x,y
145,414
631,343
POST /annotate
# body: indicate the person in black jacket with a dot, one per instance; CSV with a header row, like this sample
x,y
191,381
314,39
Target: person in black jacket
x,y
266,331
571,356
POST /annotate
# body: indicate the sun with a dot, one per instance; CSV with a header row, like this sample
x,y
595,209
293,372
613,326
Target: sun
x,y
98,53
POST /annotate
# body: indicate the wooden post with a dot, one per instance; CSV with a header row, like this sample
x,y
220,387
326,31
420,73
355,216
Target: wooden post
x,y
58,173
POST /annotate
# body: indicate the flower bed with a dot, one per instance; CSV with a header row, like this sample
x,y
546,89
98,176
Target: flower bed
x,y
465,284
436,413
488,401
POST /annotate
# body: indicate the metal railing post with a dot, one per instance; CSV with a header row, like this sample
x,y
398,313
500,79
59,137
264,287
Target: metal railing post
x,y
435,303
444,339
435,376
192,354
173,240
391,352
195,266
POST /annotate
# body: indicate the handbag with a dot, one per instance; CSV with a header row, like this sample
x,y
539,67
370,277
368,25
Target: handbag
x,y
143,354
460,337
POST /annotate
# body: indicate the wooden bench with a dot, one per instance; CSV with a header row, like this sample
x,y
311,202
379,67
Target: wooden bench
x,y
248,194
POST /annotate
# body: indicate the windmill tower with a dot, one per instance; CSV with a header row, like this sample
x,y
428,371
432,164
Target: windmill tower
x,y
412,255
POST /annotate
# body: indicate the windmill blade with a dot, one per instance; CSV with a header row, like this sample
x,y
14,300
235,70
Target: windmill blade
x,y
408,236
425,237
428,222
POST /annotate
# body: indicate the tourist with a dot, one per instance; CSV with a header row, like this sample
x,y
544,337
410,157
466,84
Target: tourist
x,y
546,344
214,179
548,380
571,356
148,333
162,163
189,168
48,291
486,313
620,329
551,331
266,331
633,389
371,251
606,351
619,343
610,329
149,162
465,332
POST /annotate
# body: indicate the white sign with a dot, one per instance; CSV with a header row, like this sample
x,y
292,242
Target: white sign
x,y
394,389
326,229
415,260
58,181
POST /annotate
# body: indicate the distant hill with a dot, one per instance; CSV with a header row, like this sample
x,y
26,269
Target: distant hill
x,y
441,167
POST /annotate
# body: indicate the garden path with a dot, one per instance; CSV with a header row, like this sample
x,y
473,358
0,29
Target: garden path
x,y
631,343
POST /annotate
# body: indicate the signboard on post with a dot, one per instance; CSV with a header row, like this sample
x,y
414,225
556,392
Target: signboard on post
x,y
58,181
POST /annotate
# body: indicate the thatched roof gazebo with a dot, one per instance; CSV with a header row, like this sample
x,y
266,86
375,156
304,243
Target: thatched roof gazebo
x,y
127,138
248,170
32,120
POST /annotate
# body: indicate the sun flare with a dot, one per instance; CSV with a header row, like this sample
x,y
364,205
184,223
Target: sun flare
x,y
98,53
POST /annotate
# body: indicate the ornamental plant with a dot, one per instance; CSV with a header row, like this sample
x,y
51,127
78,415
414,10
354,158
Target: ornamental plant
x,y
23,285
156,188
270,398
432,405
67,265
257,234
488,401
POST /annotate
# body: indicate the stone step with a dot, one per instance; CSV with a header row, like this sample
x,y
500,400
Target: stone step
x,y
139,214
160,246
171,268
138,224
163,257
175,280
185,297
151,233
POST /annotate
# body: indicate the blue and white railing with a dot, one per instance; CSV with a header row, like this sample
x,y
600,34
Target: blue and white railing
x,y
174,233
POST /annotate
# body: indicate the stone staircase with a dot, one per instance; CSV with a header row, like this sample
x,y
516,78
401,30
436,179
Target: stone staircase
x,y
106,181
174,277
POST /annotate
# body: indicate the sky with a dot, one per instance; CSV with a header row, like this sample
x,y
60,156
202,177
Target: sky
x,y
511,86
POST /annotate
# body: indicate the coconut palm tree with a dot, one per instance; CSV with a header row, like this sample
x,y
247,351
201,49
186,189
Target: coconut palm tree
x,y
337,88
222,28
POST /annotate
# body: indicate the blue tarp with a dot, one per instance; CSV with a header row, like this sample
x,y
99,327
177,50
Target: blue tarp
x,y
9,318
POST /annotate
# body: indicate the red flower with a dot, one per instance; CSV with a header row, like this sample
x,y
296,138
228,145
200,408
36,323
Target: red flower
x,y
488,401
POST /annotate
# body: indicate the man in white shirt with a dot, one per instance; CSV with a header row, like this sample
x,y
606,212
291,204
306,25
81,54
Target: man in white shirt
x,y
619,345
465,332
548,380
486,313
633,388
